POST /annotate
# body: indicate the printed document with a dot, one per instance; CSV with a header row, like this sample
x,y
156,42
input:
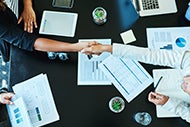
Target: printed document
x,y
34,98
170,85
169,38
18,114
88,66
127,75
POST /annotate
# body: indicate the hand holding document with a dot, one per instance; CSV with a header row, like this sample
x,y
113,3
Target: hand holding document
x,y
170,85
33,103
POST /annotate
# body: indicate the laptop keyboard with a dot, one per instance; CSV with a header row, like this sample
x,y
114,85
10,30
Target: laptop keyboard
x,y
150,4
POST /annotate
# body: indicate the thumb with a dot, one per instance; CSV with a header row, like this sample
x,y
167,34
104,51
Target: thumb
x,y
8,102
85,50
19,20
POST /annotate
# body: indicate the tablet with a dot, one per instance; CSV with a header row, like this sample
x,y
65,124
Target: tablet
x,y
58,23
63,3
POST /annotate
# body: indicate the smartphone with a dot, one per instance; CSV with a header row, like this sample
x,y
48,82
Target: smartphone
x,y
63,3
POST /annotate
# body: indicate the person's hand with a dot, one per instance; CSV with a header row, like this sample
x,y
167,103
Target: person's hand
x,y
97,49
6,97
157,99
86,44
29,17
186,84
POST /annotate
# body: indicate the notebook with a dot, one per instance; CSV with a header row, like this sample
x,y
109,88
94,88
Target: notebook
x,y
58,23
169,85
154,7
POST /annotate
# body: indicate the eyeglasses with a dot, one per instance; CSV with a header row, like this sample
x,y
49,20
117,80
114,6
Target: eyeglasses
x,y
62,56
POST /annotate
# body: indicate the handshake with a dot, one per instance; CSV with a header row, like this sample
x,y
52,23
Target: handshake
x,y
95,48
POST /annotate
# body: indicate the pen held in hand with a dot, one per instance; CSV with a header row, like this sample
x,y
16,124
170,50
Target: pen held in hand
x,y
157,83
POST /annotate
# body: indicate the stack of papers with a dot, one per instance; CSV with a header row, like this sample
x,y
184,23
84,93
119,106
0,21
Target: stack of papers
x,y
33,103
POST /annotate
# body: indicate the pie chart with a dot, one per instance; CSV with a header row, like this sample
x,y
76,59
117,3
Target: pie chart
x,y
180,42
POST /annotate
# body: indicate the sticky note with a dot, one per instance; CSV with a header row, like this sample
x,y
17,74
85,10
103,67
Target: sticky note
x,y
128,36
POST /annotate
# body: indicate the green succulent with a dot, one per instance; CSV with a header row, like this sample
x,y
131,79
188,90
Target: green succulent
x,y
99,13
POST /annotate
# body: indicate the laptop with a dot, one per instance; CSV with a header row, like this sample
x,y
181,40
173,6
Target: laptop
x,y
154,7
58,23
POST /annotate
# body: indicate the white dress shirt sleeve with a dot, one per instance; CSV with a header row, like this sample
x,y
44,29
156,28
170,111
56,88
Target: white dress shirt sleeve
x,y
170,58
178,107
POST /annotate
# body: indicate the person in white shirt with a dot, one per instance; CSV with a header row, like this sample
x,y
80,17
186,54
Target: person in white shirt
x,y
170,58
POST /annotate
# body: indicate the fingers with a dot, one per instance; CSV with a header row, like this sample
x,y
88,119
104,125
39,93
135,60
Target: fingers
x,y
152,97
87,50
92,43
6,97
35,24
157,99
19,20
7,102
28,25
29,19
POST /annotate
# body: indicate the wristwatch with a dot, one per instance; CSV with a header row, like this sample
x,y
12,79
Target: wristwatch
x,y
3,90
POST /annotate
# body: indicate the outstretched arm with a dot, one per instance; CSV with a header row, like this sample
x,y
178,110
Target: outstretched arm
x,y
170,58
44,44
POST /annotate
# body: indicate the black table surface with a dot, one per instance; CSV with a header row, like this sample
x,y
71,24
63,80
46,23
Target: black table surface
x,y
87,106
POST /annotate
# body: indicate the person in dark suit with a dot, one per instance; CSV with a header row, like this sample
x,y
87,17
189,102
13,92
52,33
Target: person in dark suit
x,y
12,34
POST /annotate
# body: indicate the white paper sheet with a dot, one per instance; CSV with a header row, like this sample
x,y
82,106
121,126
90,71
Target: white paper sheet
x,y
169,38
128,76
37,96
88,69
18,113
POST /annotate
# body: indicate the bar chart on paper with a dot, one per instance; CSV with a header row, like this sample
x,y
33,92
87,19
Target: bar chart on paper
x,y
169,38
88,67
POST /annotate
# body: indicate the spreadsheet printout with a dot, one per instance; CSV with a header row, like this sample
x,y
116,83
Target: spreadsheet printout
x,y
127,75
